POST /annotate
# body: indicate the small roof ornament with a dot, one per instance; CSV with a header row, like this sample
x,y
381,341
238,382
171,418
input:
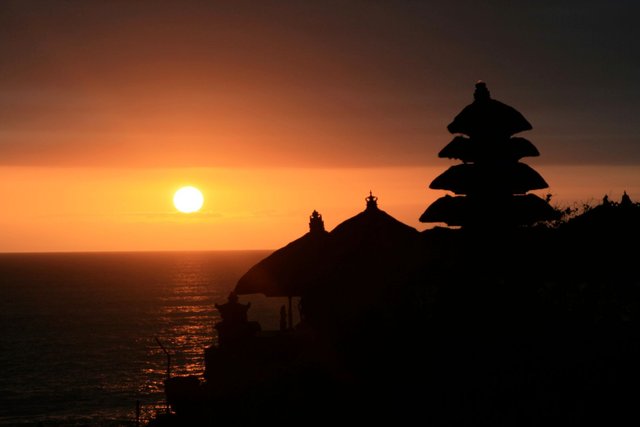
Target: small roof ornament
x,y
487,119
481,93
316,224
372,201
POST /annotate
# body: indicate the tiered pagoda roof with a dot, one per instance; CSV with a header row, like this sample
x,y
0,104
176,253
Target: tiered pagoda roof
x,y
491,184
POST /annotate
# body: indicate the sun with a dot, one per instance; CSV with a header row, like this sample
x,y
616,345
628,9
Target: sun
x,y
188,199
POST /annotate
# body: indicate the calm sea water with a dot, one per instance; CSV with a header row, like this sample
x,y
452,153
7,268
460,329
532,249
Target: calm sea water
x,y
77,331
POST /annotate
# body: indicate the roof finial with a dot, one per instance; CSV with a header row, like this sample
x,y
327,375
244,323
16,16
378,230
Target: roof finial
x,y
372,201
481,93
316,224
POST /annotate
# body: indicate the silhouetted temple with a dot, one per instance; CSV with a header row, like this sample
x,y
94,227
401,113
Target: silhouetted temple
x,y
491,184
439,327
234,326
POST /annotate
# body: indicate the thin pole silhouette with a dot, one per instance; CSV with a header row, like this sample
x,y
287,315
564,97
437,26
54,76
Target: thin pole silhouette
x,y
168,365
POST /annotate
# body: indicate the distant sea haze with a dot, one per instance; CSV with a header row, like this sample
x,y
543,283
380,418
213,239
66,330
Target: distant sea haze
x,y
77,330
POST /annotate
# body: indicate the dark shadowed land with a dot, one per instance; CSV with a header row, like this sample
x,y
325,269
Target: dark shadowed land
x,y
519,315
535,326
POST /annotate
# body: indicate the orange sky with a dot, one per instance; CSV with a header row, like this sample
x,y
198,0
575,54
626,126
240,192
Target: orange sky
x,y
276,108
78,209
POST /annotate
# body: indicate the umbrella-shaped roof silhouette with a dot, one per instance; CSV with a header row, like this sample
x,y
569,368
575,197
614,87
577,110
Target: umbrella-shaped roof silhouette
x,y
289,269
370,245
486,117
531,208
372,238
468,150
370,253
461,210
372,227
521,147
514,178
447,209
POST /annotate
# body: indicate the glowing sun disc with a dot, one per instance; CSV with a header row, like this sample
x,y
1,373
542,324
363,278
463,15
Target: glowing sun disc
x,y
188,199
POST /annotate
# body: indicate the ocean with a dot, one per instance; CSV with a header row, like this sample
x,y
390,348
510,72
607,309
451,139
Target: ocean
x,y
78,330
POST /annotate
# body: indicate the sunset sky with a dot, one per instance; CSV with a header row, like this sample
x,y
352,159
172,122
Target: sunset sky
x,y
276,108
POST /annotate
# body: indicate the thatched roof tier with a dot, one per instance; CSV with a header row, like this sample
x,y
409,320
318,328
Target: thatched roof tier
x,y
290,269
447,209
516,210
471,151
319,257
521,147
507,178
372,226
488,118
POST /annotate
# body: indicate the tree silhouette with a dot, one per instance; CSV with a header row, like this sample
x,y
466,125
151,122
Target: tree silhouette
x,y
491,184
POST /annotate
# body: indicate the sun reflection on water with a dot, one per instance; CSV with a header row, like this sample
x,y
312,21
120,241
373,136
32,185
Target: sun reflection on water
x,y
184,324
184,316
80,344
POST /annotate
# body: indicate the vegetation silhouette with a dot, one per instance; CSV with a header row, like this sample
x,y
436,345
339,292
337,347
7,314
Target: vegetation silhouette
x,y
529,316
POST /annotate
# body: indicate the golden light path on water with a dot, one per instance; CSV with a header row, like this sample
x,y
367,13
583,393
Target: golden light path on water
x,y
185,327
185,323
